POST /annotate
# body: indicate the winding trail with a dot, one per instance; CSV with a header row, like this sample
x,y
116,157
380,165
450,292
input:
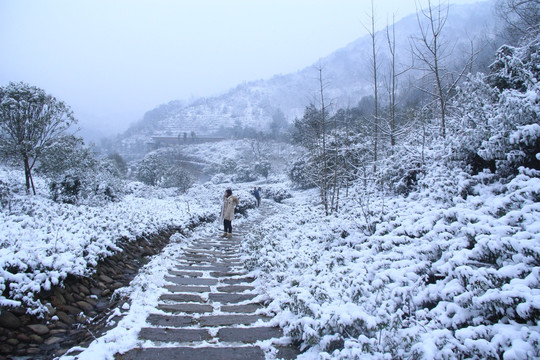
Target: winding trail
x,y
211,309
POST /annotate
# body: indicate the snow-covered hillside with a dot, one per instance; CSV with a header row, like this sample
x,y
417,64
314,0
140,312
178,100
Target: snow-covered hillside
x,y
346,72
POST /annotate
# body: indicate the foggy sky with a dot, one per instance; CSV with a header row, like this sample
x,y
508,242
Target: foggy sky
x,y
113,60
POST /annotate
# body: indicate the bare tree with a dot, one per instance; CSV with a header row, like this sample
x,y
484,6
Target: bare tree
x,y
374,66
522,17
392,88
324,176
30,122
432,51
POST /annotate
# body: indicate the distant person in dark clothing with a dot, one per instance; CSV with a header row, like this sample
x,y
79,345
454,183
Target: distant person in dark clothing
x,y
257,194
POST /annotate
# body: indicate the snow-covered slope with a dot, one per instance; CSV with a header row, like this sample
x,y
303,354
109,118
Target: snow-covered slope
x,y
346,72
430,276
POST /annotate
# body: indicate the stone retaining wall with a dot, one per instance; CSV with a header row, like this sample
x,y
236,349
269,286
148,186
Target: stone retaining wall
x,y
79,310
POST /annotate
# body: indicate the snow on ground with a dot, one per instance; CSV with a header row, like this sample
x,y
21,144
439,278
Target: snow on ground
x,y
41,241
451,271
428,279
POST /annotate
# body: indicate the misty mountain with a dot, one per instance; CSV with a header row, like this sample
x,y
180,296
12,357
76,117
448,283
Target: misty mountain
x,y
347,74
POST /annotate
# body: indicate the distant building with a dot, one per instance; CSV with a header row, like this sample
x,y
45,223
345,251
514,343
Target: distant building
x,y
181,139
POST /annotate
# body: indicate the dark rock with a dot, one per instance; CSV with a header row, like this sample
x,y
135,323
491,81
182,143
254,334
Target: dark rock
x,y
117,285
64,318
58,331
86,307
70,309
33,350
68,296
53,340
91,301
96,291
23,337
105,279
8,320
39,329
36,339
5,348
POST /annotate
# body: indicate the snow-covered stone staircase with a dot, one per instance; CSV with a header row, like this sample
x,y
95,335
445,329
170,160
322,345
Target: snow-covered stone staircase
x,y
210,310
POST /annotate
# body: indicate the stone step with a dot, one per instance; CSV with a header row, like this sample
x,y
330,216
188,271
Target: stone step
x,y
186,308
186,273
228,298
234,281
183,288
169,320
200,353
227,320
182,298
208,252
249,334
235,288
227,273
191,281
174,335
245,309
203,268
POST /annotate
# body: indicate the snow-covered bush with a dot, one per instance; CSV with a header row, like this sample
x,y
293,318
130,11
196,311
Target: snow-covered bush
x,y
401,171
66,190
244,173
179,178
439,277
247,201
495,115
150,169
262,168
5,193
278,193
298,174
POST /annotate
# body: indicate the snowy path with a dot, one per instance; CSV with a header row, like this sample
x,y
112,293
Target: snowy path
x,y
209,310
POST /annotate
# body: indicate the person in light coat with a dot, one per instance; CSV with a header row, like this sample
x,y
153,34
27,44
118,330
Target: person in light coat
x,y
227,212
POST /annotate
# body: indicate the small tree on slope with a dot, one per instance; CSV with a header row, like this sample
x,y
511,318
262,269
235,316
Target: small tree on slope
x,y
30,122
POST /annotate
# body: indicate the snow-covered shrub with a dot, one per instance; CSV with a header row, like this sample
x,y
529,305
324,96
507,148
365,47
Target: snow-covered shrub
x,y
276,193
220,178
66,190
116,165
262,168
441,276
5,193
400,172
151,169
43,242
469,122
69,155
229,166
493,112
246,201
244,173
178,177
298,175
